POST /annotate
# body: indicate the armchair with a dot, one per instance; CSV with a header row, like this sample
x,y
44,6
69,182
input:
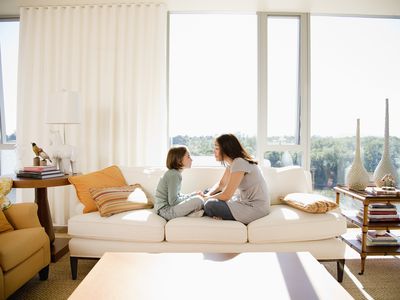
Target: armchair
x,y
24,251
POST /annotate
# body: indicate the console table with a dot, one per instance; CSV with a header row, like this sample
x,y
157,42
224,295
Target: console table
x,y
361,246
58,246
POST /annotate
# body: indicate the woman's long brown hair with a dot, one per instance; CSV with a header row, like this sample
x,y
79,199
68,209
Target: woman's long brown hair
x,y
231,147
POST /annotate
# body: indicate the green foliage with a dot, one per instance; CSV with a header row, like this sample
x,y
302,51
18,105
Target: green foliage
x,y
330,157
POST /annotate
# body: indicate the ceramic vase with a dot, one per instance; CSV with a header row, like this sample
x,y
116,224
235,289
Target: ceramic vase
x,y
385,165
357,177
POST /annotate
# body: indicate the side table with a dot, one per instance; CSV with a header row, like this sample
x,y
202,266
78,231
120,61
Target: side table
x,y
58,246
365,225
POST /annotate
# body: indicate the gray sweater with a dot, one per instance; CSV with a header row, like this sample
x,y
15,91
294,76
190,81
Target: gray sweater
x,y
168,190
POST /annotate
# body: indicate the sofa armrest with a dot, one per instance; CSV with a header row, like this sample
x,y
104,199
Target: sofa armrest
x,y
23,215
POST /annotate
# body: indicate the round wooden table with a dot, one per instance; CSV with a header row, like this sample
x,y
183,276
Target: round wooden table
x,y
58,246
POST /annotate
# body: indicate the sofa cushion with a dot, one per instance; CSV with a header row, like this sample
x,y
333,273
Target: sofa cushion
x,y
142,225
12,253
114,200
282,181
108,177
205,230
288,224
312,203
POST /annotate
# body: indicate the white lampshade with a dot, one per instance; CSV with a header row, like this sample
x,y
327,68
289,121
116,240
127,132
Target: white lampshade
x,y
63,107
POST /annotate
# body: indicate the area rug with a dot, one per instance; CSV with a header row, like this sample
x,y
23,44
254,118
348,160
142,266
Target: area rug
x,y
380,280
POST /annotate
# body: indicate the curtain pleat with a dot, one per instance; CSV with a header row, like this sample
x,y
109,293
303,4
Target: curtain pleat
x,y
115,57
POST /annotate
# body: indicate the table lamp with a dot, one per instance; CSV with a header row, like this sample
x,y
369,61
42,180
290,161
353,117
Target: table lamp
x,y
63,108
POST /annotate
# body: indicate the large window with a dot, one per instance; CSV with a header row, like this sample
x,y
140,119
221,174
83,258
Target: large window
x,y
212,81
9,35
283,99
242,74
355,65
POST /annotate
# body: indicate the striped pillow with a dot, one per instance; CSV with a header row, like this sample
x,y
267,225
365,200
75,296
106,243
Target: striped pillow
x,y
114,200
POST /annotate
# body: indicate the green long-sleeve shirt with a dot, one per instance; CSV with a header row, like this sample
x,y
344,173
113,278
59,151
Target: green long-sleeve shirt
x,y
168,190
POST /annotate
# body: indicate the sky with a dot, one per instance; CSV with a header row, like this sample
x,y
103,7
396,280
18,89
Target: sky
x,y
213,84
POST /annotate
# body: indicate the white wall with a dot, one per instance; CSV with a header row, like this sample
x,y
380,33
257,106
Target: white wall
x,y
355,7
8,8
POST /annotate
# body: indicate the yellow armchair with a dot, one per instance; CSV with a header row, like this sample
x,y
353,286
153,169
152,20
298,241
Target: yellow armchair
x,y
24,251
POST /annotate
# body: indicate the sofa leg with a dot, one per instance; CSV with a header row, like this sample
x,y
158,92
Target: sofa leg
x,y
74,267
340,269
44,273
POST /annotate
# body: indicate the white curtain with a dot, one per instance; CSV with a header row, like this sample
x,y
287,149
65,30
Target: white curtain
x,y
115,57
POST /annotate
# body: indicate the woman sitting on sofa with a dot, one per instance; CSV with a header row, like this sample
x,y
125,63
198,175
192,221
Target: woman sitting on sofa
x,y
242,173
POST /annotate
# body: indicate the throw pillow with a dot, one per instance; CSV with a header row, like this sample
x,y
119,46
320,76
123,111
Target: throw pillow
x,y
108,177
115,200
4,224
312,203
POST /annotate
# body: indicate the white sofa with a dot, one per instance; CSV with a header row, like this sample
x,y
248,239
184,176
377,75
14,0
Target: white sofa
x,y
285,229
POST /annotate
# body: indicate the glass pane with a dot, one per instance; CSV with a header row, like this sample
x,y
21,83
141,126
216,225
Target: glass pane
x,y
355,65
212,80
9,35
278,159
8,162
283,80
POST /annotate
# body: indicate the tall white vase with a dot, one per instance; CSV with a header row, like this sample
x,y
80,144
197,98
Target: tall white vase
x,y
385,165
357,178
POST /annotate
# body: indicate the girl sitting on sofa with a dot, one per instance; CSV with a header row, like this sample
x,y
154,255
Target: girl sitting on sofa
x,y
242,173
169,202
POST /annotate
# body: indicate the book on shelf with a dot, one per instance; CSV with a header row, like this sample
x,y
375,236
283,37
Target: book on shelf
x,y
387,236
381,212
39,168
381,206
39,176
379,242
377,191
380,218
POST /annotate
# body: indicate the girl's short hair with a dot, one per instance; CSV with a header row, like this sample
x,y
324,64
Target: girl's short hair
x,y
175,156
230,146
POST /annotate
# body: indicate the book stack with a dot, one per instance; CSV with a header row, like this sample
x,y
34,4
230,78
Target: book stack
x,y
375,239
377,191
40,172
380,212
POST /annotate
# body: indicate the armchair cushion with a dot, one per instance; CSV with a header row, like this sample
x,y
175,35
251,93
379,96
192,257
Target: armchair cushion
x,y
23,215
18,245
4,224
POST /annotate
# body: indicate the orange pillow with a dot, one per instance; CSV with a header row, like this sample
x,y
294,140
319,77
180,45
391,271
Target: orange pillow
x,y
108,177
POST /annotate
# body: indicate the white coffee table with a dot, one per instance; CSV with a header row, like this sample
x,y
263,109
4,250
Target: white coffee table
x,y
209,276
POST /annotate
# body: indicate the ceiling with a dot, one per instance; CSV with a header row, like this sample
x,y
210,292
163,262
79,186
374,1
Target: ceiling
x,y
354,7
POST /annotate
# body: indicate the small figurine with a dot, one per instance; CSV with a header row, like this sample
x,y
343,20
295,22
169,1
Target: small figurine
x,y
39,152
388,182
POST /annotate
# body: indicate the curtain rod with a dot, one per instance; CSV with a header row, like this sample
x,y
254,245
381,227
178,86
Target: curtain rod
x,y
34,4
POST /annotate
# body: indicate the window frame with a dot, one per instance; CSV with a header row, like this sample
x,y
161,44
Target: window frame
x,y
4,145
3,139
303,93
